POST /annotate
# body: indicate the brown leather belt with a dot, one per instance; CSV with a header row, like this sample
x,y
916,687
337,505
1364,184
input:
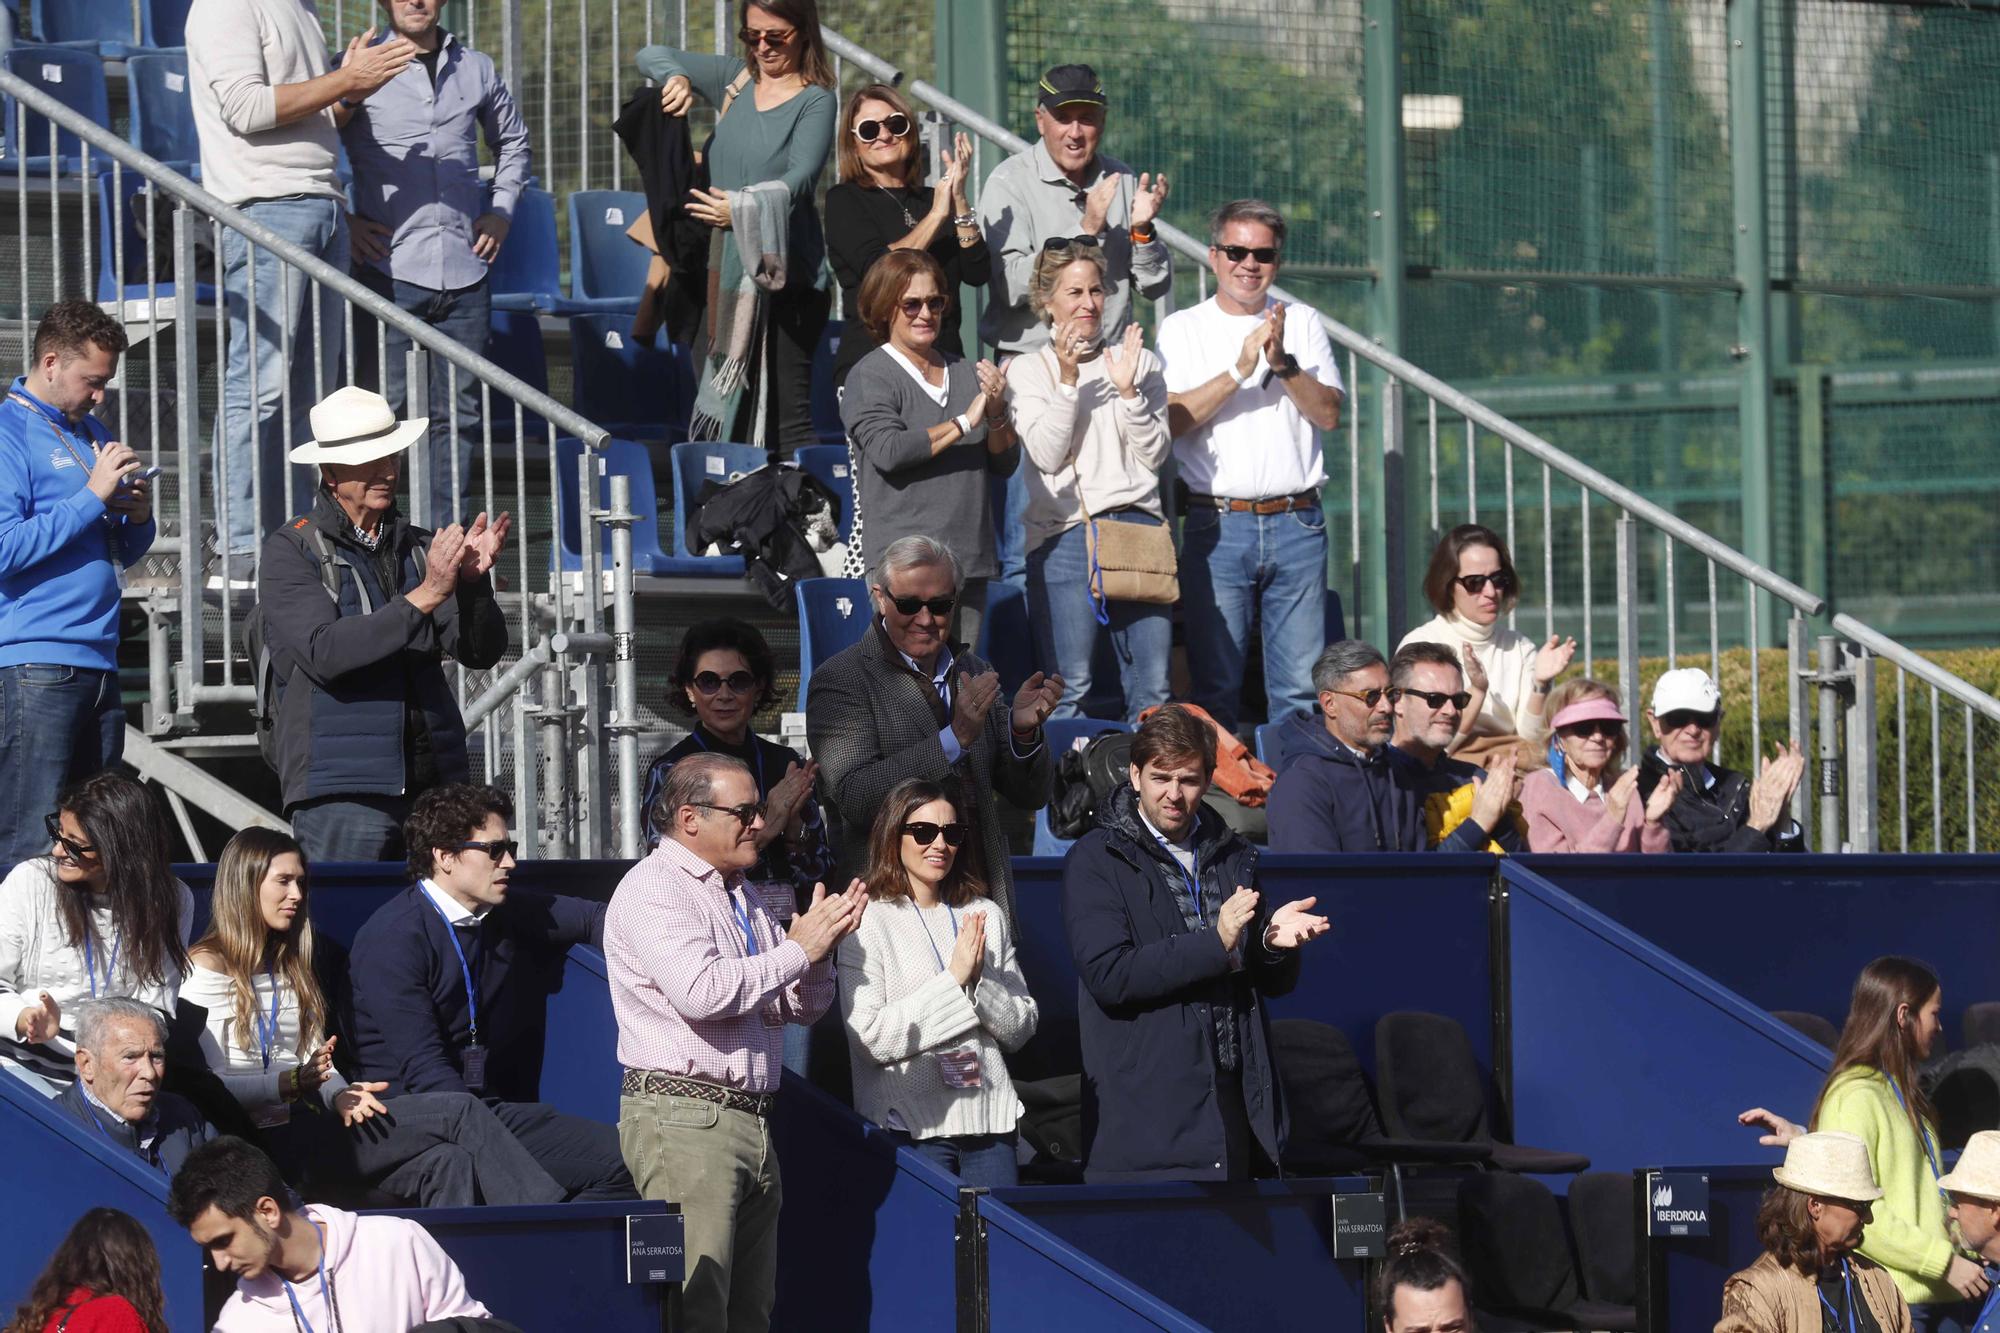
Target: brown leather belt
x,y
1283,504
653,1083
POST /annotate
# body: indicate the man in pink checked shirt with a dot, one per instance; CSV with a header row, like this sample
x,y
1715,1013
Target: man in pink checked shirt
x,y
704,978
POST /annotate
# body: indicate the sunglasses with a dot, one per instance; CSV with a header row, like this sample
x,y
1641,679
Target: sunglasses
x,y
1597,726
1436,700
746,814
739,682
498,848
77,850
926,833
1070,243
909,606
1503,582
916,305
1369,698
1687,717
755,37
1236,254
896,125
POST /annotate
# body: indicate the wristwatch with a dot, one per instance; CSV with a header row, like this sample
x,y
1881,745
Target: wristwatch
x,y
1285,368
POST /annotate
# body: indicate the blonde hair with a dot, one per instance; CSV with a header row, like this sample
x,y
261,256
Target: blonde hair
x,y
1049,265
239,937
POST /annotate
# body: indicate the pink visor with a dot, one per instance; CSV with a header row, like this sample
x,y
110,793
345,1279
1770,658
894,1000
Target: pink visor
x,y
1588,710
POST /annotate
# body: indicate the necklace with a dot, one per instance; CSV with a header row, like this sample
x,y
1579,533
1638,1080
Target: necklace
x,y
908,220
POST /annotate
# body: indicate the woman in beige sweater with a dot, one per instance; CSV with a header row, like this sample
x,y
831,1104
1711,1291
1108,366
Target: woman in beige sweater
x,y
931,993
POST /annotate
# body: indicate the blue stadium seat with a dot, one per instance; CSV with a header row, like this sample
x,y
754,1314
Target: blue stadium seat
x,y
162,112
101,27
167,22
827,426
514,342
695,465
1270,744
72,76
833,614
627,458
828,462
528,273
641,391
606,270
1005,640
1061,735
124,213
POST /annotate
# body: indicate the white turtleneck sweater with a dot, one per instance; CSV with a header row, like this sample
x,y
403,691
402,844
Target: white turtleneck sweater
x,y
1508,658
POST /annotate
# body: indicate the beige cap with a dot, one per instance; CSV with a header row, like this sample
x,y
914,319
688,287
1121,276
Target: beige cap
x,y
1831,1164
1978,1169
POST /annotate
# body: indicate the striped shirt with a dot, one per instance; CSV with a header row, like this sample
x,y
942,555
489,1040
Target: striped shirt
x,y
693,995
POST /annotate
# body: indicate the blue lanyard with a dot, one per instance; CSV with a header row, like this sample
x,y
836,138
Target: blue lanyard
x,y
743,918
1992,1299
931,939
267,1037
326,1301
465,968
1923,1133
756,753
1188,877
1847,1297
90,961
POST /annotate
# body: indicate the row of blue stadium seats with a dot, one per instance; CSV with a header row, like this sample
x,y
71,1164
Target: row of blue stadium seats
x,y
102,27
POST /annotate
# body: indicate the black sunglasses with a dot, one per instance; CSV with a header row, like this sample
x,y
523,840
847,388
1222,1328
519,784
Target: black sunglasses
x,y
1503,582
497,848
1596,726
896,123
81,851
909,606
1070,243
926,832
915,305
1369,698
739,682
746,814
1437,700
1683,717
1236,254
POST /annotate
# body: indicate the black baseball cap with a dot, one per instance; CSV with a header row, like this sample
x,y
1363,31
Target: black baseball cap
x,y
1067,85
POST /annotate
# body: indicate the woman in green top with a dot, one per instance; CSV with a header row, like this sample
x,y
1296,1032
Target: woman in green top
x,y
780,128
1872,1092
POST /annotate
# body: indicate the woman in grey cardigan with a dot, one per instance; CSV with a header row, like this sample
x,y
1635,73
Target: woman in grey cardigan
x,y
926,430
931,993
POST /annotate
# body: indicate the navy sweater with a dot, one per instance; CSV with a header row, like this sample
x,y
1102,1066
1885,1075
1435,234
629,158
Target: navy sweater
x,y
411,1024
1329,799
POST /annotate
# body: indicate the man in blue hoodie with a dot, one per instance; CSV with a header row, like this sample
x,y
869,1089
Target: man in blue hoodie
x,y
71,503
1341,786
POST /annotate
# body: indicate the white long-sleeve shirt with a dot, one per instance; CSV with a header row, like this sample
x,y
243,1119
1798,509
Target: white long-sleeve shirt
x,y
236,1057
1088,448
240,52
36,956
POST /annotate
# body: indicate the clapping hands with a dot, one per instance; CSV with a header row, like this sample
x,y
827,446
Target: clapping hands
x,y
830,919
1035,700
1121,363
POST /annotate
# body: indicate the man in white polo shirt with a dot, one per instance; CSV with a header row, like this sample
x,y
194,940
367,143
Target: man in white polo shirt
x,y
1251,382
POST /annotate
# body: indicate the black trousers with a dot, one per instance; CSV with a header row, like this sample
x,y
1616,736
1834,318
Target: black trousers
x,y
795,320
1243,1156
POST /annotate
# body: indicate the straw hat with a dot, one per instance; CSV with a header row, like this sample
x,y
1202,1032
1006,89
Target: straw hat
x,y
1978,1169
1831,1164
353,425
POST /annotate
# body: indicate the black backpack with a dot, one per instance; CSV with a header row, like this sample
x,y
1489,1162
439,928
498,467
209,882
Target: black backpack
x,y
1084,779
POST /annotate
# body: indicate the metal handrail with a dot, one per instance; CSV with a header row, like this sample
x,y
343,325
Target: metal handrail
x,y
1361,345
438,344
1922,668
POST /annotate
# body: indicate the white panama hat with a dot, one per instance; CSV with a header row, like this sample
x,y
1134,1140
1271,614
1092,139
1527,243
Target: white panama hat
x,y
355,425
1831,1164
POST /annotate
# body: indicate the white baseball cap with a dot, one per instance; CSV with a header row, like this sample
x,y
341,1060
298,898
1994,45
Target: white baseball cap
x,y
1685,689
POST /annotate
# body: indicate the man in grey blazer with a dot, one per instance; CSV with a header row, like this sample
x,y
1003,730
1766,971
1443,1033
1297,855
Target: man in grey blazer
x,y
902,703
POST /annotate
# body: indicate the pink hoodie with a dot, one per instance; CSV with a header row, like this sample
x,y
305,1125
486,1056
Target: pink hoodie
x,y
385,1273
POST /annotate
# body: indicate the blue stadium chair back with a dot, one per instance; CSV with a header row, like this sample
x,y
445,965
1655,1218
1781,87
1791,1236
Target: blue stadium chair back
x,y
638,390
527,275
167,22
827,426
695,465
162,111
1061,735
1270,744
605,267
72,76
829,463
125,214
1005,640
514,342
626,458
833,614
104,27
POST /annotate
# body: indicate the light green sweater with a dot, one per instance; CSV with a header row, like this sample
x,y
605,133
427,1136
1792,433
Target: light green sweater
x,y
1907,1235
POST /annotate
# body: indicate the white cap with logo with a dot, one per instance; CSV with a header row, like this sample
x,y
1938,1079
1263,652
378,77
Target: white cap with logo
x,y
1685,690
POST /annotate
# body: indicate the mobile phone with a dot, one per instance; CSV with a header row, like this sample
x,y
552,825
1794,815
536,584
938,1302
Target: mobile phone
x,y
143,474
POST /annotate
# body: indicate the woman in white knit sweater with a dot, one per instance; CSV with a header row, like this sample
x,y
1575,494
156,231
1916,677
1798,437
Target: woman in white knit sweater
x,y
100,916
1472,583
931,993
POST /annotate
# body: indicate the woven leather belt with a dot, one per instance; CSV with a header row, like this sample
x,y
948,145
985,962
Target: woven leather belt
x,y
1283,504
653,1083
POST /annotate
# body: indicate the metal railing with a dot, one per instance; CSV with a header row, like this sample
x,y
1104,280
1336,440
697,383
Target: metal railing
x,y
557,741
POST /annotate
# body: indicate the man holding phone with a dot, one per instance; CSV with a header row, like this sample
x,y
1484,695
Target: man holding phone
x,y
72,502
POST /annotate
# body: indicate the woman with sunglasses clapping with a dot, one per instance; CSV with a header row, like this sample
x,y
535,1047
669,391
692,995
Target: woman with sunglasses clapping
x,y
1583,802
931,993
882,204
101,915
1472,583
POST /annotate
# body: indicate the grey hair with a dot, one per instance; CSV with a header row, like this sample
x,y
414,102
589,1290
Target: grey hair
x,y
917,552
691,781
1246,210
1341,660
1049,265
95,1018
1407,658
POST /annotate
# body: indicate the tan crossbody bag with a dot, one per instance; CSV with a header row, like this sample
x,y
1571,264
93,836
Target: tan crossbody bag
x,y
1130,562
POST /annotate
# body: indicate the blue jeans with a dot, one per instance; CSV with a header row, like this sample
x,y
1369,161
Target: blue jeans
x,y
1240,569
1067,631
1009,496
983,1161
1956,1317
465,316
284,327
58,725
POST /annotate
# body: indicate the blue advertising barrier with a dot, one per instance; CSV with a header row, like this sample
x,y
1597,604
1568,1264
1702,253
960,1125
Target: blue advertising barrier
x,y
1625,1053
1036,1283
1228,1256
1679,1278
549,1266
1792,932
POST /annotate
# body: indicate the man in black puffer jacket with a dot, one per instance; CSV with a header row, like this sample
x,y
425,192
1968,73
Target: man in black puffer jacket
x,y
1719,809
1175,952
